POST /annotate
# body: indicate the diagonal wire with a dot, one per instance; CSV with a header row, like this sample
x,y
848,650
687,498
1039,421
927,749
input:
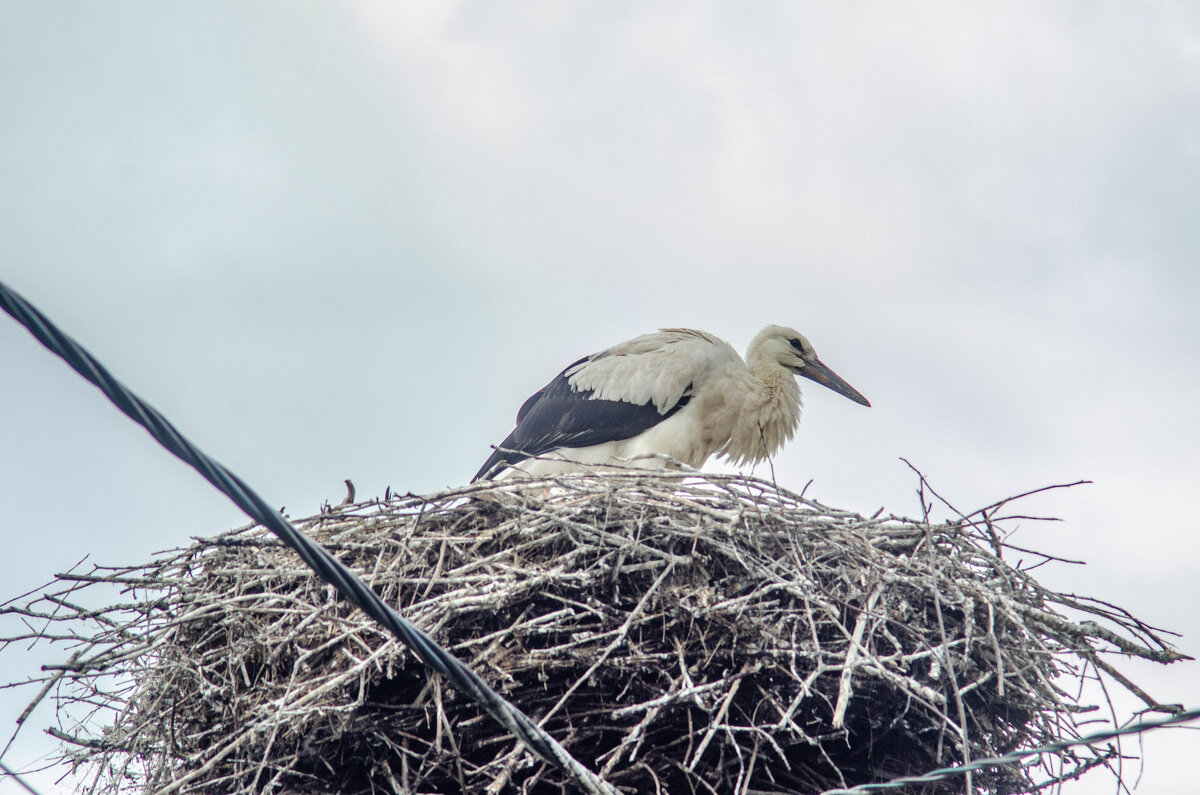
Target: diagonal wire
x,y
1184,716
324,564
8,771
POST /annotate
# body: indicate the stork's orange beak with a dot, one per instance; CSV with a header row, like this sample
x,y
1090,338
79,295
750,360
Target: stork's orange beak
x,y
815,370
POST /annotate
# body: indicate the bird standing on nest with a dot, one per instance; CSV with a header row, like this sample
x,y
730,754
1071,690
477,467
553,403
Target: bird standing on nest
x,y
677,392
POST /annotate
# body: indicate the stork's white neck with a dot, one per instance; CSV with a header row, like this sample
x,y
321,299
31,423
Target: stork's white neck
x,y
770,412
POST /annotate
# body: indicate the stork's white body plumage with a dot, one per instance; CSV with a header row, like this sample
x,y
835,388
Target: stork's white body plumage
x,y
676,394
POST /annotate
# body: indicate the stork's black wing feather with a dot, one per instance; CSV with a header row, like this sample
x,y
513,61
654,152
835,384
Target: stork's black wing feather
x,y
559,383
559,416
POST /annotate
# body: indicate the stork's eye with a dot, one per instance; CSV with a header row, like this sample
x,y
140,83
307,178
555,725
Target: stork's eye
x,y
796,344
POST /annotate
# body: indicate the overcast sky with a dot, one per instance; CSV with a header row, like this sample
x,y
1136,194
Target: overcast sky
x,y
348,240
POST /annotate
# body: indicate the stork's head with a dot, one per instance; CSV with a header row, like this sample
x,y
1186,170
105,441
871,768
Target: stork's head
x,y
791,350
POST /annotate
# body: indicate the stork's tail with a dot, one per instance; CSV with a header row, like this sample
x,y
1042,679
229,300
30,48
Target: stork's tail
x,y
502,457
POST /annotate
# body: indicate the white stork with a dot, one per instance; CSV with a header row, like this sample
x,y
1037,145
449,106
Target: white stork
x,y
678,392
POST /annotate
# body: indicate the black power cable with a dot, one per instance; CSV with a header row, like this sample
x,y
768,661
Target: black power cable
x,y
317,557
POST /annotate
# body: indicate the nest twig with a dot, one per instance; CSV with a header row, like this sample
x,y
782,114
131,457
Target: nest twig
x,y
708,635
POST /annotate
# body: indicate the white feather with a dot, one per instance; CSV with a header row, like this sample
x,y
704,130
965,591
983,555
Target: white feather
x,y
655,368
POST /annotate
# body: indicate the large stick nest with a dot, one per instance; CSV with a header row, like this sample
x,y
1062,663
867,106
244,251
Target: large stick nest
x,y
713,635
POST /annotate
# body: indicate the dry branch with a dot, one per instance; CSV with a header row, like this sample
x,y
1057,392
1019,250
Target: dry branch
x,y
713,634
